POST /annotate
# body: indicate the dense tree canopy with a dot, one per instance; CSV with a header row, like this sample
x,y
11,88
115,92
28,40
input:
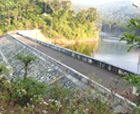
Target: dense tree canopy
x,y
27,14
114,26
115,15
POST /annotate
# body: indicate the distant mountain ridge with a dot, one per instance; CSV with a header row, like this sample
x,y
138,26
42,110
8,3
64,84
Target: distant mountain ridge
x,y
77,7
117,10
114,15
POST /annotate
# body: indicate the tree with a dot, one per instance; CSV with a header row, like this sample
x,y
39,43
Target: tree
x,y
4,70
92,14
26,60
129,36
66,5
81,17
22,14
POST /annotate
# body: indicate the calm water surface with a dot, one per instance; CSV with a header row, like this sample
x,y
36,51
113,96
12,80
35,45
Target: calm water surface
x,y
112,51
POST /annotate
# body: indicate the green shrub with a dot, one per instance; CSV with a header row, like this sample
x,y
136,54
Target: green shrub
x,y
25,89
11,27
3,84
135,82
48,28
1,32
53,34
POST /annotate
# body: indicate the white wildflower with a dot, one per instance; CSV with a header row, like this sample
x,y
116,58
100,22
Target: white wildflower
x,y
56,101
45,103
35,96
40,98
14,80
52,100
87,109
10,111
23,91
66,97
32,106
31,99
44,111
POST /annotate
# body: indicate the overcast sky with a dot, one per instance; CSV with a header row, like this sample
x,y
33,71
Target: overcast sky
x,y
101,1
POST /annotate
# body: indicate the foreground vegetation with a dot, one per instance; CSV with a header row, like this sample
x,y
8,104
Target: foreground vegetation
x,y
134,41
26,95
59,21
52,101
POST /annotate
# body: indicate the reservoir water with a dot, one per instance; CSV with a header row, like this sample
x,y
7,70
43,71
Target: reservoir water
x,y
110,50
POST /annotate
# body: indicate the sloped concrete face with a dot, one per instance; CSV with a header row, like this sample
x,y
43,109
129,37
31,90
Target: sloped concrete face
x,y
42,69
49,71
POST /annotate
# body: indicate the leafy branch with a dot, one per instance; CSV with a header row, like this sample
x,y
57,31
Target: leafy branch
x,y
129,36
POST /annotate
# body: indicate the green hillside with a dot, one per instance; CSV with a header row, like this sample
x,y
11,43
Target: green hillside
x,y
114,15
60,20
118,11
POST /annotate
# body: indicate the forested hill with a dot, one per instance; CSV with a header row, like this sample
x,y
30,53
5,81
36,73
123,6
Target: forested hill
x,y
115,15
78,7
119,10
59,21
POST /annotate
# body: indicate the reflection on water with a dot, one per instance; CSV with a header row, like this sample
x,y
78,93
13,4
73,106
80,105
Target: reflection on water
x,y
86,49
114,52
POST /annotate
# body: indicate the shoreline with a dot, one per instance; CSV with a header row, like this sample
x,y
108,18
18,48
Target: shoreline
x,y
64,42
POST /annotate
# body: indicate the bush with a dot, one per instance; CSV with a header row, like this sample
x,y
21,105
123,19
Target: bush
x,y
20,25
11,27
135,82
53,34
25,89
1,32
3,84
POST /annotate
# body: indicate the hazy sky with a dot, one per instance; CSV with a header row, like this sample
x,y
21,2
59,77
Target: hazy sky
x,y
101,1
